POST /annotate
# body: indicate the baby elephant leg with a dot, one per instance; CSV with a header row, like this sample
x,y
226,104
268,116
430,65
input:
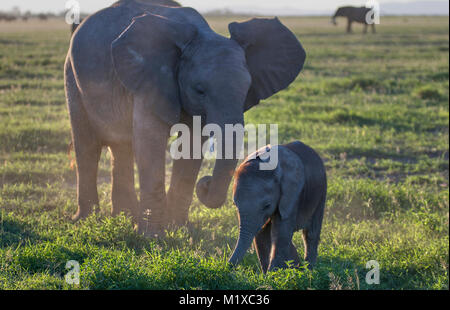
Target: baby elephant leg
x,y
282,250
311,241
263,244
293,256
311,237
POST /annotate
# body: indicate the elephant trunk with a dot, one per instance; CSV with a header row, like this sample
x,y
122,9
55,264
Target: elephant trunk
x,y
247,232
333,20
338,13
212,190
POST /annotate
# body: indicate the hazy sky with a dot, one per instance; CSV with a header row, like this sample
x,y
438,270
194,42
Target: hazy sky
x,y
89,6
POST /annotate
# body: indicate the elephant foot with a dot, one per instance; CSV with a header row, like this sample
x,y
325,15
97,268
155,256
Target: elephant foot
x,y
152,225
80,216
151,229
177,212
311,262
130,213
178,218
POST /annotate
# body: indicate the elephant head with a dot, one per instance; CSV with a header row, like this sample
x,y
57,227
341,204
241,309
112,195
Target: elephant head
x,y
273,57
340,12
174,65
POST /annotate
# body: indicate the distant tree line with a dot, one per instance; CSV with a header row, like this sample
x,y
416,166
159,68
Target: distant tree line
x,y
16,14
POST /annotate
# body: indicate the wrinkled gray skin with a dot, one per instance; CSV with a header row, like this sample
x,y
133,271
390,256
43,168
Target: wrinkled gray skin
x,y
272,205
353,14
135,69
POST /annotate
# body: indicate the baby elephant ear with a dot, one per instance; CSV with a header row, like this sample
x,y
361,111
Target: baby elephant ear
x,y
290,175
145,58
274,56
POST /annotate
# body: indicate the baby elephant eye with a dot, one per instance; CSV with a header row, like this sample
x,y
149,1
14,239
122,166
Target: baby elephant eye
x,y
267,206
199,90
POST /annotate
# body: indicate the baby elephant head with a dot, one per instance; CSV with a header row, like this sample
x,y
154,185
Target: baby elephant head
x,y
257,193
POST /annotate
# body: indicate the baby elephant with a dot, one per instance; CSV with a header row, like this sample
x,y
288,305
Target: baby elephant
x,y
273,204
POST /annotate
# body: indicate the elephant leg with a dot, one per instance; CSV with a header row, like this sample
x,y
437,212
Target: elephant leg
x,y
293,255
87,153
281,235
365,28
311,241
123,193
87,149
349,26
373,28
263,245
311,236
150,135
182,182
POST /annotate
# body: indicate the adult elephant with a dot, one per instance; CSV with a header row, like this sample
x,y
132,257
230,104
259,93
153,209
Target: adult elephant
x,y
355,14
135,69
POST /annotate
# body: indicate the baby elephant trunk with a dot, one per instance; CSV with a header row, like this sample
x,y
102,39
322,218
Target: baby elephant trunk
x,y
247,232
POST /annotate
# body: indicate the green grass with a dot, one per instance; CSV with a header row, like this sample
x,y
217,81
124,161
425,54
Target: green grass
x,y
375,107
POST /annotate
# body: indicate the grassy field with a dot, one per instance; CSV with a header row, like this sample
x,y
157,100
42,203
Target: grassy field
x,y
376,108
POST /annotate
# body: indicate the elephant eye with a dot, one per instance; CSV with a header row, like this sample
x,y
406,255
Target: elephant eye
x,y
199,90
267,206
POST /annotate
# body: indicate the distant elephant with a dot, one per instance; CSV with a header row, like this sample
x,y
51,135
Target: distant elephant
x,y
7,17
273,204
135,69
354,14
43,16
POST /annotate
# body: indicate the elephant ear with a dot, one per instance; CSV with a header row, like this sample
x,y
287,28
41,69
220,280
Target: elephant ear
x,y
145,58
290,175
274,56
